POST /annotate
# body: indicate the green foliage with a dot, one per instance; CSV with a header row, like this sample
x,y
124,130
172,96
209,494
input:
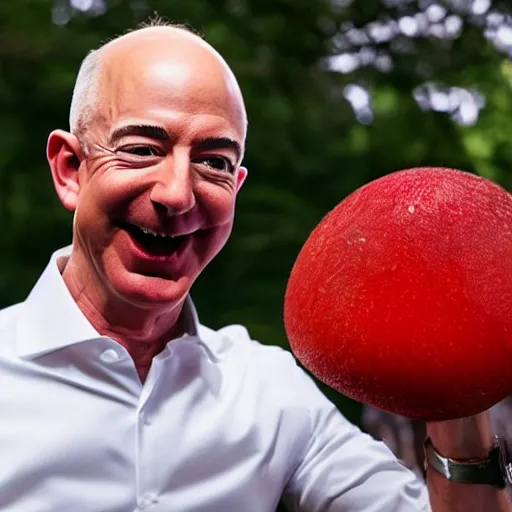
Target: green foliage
x,y
306,149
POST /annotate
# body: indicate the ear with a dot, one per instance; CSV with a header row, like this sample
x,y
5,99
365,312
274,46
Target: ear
x,y
65,155
240,179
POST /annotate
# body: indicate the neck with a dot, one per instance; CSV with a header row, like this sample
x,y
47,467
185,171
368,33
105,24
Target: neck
x,y
143,331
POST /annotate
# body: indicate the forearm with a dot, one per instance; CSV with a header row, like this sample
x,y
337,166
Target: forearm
x,y
467,438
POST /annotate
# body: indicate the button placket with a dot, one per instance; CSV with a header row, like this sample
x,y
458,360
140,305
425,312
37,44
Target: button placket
x,y
145,478
147,500
144,418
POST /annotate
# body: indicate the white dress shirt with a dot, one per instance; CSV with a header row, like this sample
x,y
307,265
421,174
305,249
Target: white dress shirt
x,y
222,424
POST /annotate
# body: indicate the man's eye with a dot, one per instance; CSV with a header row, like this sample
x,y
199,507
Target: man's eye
x,y
141,150
218,163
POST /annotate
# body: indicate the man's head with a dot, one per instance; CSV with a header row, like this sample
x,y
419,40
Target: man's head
x,y
158,128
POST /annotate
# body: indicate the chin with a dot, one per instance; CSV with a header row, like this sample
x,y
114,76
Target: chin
x,y
145,290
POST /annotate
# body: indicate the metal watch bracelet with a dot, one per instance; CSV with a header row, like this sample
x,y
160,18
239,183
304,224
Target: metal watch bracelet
x,y
495,470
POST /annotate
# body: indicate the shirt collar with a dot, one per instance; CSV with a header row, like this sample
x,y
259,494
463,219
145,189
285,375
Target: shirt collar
x,y
50,319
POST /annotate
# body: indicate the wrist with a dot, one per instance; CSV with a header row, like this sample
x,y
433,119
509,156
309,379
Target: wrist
x,y
495,470
464,438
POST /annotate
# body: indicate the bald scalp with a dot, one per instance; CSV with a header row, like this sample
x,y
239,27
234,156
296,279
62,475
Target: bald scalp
x,y
87,91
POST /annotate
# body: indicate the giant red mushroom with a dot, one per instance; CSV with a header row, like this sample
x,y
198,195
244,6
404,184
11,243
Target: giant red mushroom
x,y
402,296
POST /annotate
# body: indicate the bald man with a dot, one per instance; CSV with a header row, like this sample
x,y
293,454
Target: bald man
x,y
115,398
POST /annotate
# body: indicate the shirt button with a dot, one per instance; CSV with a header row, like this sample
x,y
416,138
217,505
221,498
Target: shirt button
x,y
144,418
109,356
147,500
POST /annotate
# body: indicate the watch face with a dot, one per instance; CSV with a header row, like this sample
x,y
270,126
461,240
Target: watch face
x,y
507,470
508,473
507,477
505,462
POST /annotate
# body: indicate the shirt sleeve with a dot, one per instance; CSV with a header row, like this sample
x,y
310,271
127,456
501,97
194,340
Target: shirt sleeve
x,y
345,470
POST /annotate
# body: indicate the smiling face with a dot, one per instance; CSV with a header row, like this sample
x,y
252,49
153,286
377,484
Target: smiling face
x,y
155,193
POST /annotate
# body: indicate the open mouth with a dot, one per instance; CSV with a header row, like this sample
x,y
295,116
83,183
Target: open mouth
x,y
155,244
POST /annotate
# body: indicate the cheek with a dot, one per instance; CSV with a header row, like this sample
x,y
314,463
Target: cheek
x,y
217,204
111,190
216,208
88,212
100,201
91,228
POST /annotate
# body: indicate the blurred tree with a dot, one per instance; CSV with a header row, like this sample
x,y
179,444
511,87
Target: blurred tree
x,y
338,93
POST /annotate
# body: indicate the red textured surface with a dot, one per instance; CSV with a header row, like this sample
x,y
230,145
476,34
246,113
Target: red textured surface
x,y
402,295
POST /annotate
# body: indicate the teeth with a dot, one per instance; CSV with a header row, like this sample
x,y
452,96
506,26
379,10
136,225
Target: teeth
x,y
149,232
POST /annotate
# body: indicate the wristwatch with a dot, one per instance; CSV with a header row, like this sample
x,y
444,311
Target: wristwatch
x,y
495,470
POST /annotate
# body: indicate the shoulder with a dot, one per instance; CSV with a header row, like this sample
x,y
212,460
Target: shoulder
x,y
8,316
233,343
8,319
266,368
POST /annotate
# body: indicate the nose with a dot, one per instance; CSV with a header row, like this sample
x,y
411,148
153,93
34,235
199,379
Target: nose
x,y
174,189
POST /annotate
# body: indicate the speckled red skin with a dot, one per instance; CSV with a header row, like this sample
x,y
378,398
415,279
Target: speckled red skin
x,y
402,295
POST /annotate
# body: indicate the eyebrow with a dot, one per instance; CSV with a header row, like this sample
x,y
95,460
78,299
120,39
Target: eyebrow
x,y
214,143
143,130
159,133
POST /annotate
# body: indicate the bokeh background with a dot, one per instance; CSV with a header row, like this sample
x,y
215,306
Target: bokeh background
x,y
338,92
